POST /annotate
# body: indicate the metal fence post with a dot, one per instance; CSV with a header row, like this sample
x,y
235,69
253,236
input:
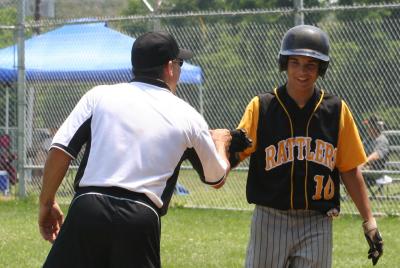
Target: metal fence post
x,y
299,15
21,98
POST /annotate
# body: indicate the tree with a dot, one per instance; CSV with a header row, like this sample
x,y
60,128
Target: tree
x,y
8,17
238,54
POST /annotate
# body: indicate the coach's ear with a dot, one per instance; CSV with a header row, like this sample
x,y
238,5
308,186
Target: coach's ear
x,y
170,68
170,76
168,72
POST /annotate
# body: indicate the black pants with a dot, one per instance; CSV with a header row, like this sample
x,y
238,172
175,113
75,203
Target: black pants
x,y
102,230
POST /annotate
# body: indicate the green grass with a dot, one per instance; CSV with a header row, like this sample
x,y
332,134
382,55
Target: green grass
x,y
20,242
232,195
192,238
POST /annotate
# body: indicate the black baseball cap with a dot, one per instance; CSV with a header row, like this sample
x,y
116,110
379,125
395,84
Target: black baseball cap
x,y
154,49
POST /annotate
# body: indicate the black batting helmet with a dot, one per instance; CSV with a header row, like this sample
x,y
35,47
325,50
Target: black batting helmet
x,y
305,40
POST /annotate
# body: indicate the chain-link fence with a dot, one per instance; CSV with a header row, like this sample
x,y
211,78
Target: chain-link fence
x,y
235,59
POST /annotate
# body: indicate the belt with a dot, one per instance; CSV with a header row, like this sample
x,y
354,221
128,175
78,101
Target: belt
x,y
118,192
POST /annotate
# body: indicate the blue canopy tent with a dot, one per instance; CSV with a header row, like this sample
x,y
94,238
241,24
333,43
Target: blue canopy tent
x,y
81,52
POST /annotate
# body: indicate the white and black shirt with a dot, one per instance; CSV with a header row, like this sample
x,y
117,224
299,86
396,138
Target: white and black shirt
x,y
137,134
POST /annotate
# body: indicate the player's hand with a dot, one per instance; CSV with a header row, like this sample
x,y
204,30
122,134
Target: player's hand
x,y
374,240
240,141
50,220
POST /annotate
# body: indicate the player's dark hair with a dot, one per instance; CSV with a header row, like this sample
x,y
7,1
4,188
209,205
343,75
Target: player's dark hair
x,y
155,72
283,61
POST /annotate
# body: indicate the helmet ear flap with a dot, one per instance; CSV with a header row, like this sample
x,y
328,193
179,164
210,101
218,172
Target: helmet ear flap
x,y
323,66
282,61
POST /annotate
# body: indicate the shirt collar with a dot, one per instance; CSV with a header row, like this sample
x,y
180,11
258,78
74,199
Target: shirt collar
x,y
282,91
151,81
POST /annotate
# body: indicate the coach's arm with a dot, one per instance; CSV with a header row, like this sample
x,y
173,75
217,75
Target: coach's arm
x,y
50,214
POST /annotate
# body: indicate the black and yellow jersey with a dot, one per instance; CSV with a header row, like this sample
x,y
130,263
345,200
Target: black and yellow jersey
x,y
298,153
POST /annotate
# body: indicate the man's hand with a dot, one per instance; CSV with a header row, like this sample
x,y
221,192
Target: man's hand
x,y
222,138
50,220
374,240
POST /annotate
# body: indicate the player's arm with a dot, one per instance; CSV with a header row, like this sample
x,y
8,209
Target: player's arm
x,y
350,155
373,157
355,185
50,214
354,182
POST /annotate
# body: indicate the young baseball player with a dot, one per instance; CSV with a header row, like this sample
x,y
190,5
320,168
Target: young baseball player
x,y
136,136
304,141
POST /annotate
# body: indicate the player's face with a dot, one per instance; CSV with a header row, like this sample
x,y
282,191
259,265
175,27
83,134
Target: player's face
x,y
302,72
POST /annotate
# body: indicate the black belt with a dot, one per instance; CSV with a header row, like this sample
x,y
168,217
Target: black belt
x,y
120,193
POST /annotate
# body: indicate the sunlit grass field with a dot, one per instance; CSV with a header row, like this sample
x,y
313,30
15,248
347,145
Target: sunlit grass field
x,y
193,234
192,238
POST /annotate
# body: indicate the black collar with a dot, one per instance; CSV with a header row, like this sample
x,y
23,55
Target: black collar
x,y
151,81
292,105
282,91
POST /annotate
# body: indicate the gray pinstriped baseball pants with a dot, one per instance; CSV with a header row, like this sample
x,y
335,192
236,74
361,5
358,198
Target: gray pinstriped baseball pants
x,y
293,238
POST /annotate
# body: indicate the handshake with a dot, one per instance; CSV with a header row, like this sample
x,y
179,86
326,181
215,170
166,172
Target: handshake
x,y
232,142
